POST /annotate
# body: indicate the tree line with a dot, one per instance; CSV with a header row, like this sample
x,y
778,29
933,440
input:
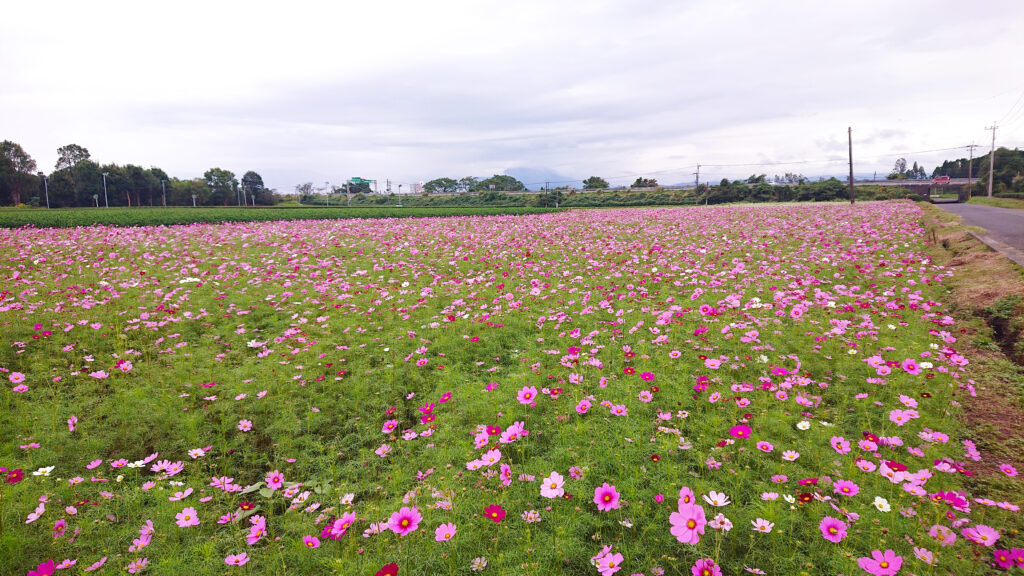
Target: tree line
x,y
78,181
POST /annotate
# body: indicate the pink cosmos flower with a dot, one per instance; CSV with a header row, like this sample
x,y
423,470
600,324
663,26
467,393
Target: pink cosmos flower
x,y
311,541
705,567
527,395
688,523
943,535
765,446
910,367
551,487
72,423
1008,470
981,534
832,529
389,426
245,425
138,565
16,377
606,497
187,517
881,563
335,530
96,565
583,406
236,559
257,531
404,521
274,480
445,532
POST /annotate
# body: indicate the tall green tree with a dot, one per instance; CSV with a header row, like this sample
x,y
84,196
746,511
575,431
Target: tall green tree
x,y
68,156
642,182
501,182
441,186
468,184
223,186
17,172
252,186
595,183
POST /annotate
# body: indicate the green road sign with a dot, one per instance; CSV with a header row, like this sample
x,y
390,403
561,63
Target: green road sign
x,y
358,180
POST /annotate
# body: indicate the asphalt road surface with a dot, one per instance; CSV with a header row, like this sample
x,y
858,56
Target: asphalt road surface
x,y
1005,226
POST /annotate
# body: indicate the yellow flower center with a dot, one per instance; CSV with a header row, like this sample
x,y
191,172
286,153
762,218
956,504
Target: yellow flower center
x,y
884,564
405,522
691,524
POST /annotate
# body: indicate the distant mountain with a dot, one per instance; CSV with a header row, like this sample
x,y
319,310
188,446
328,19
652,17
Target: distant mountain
x,y
535,177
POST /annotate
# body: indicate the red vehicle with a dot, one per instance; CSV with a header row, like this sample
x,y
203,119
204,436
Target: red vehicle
x,y
941,179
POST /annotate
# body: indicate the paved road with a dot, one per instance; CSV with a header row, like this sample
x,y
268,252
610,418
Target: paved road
x,y
1005,227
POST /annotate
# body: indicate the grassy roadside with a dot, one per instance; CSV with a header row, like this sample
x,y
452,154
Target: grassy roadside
x,y
987,292
998,202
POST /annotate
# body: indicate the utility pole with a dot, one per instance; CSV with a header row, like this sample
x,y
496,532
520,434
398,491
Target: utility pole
x,y
327,187
992,158
970,161
163,188
348,196
104,191
849,135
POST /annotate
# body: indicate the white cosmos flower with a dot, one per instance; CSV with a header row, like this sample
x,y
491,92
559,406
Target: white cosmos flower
x,y
882,504
716,498
803,425
43,471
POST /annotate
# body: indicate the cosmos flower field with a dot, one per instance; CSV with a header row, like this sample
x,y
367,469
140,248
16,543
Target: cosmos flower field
x,y
726,390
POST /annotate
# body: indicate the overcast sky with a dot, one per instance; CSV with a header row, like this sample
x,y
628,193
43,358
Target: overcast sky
x,y
410,91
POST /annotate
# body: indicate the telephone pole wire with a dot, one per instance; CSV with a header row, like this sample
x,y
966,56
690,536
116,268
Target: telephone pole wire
x,y
992,157
849,135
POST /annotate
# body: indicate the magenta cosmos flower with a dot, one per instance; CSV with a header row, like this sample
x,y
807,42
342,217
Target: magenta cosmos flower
x,y
236,559
705,567
688,523
740,431
881,563
311,541
274,480
832,529
405,520
606,497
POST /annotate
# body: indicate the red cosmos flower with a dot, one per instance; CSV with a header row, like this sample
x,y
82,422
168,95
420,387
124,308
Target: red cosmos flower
x,y
495,513
629,370
428,418
15,476
896,466
655,458
246,505
388,570
493,430
808,482
654,389
805,497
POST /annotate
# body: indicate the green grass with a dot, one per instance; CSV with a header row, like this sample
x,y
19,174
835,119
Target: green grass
x,y
72,217
330,318
1013,203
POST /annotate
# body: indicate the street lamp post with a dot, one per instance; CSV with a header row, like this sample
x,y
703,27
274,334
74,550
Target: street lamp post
x,y
46,189
105,201
193,200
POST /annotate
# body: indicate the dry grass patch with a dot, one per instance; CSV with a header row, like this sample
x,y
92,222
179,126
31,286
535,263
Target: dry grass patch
x,y
987,291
